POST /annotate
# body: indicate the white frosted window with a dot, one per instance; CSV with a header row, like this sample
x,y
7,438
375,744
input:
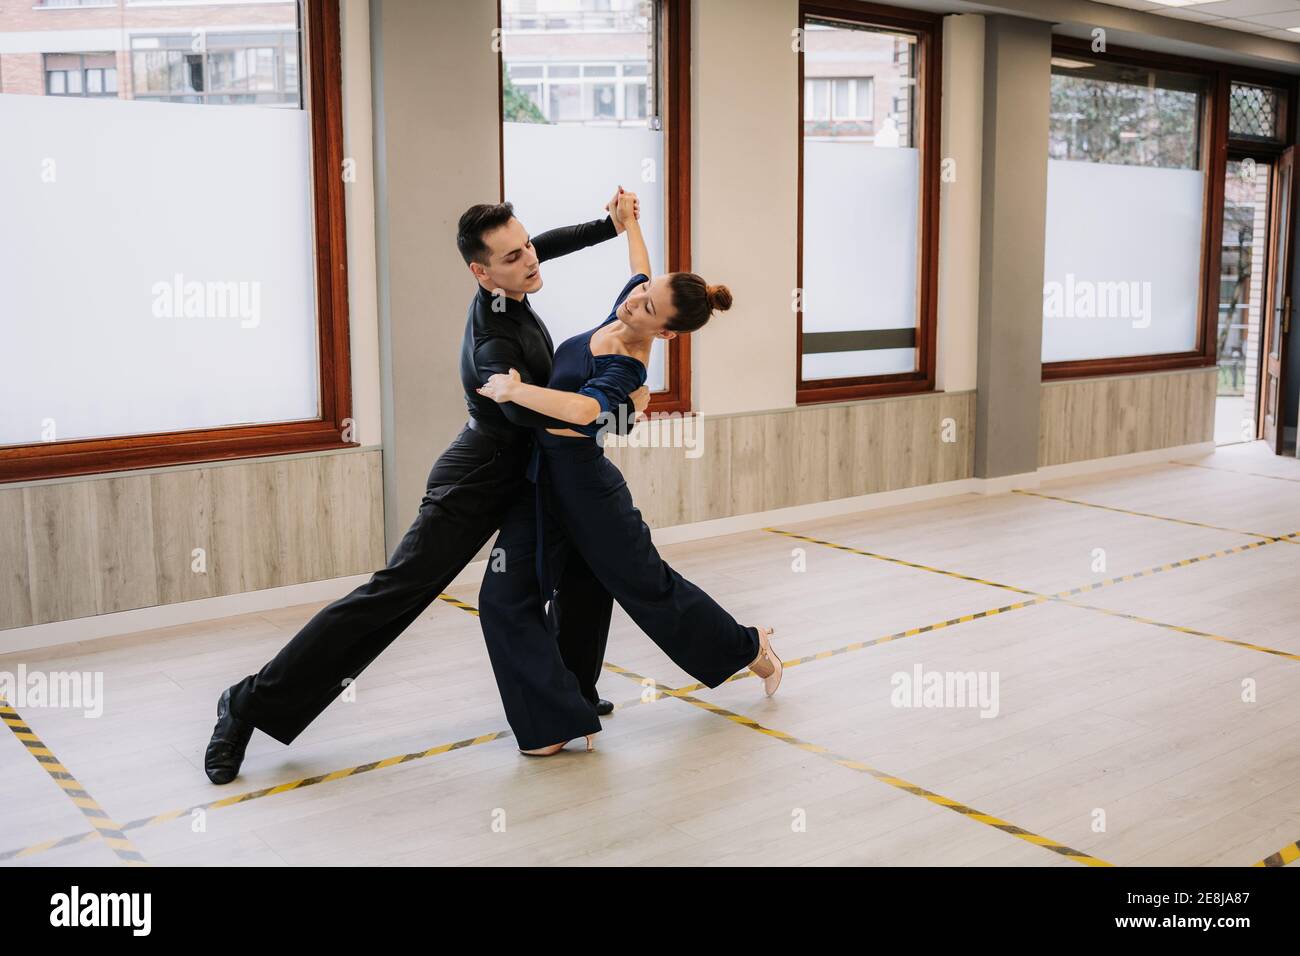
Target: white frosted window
x,y
861,204
560,175
579,117
859,252
111,206
1122,261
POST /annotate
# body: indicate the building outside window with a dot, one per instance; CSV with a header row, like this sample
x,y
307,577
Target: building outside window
x,y
80,74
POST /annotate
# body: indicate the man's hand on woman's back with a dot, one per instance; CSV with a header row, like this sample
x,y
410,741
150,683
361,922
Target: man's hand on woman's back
x,y
640,400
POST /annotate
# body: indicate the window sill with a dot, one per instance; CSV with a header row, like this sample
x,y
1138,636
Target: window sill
x,y
843,390
98,455
1129,365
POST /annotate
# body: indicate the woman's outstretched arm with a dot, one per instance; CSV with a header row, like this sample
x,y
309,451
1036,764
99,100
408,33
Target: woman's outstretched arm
x,y
638,256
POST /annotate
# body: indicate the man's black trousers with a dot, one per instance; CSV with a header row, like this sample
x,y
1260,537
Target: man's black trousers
x,y
470,488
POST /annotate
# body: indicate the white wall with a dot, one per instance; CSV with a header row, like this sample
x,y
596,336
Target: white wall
x,y
744,164
744,203
962,136
359,210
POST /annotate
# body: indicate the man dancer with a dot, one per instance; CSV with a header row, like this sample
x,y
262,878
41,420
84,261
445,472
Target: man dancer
x,y
470,488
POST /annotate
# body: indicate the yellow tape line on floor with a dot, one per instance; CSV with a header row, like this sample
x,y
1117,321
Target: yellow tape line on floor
x,y
1288,854
1233,471
240,798
897,782
681,694
1063,597
1145,514
897,635
104,825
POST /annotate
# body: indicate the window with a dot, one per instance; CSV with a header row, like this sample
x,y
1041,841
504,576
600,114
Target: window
x,y
1254,112
861,165
817,99
592,99
1160,189
225,68
80,74
1126,193
210,294
1243,262
581,93
852,97
1256,208
634,101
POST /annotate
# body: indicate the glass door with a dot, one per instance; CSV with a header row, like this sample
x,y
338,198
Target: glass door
x,y
1247,201
1272,392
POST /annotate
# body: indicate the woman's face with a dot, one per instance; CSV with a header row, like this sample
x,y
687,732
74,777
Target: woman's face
x,y
649,307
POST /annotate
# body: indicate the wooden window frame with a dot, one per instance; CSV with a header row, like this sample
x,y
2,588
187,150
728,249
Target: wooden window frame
x,y
673,26
97,455
928,28
1216,150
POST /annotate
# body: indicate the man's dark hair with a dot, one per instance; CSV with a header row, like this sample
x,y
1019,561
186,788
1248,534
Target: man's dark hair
x,y
477,220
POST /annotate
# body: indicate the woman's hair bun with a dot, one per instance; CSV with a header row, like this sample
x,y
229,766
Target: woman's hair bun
x,y
719,297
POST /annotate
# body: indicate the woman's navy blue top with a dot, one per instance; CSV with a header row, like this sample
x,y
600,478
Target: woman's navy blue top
x,y
609,379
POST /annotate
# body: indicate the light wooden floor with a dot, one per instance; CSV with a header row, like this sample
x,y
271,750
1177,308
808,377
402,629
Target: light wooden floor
x,y
1122,736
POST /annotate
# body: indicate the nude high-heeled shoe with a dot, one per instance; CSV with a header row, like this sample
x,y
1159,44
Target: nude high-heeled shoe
x,y
556,748
767,665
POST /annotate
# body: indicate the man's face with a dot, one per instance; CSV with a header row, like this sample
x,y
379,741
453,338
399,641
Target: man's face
x,y
512,261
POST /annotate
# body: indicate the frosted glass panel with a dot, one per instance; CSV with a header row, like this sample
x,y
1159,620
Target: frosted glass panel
x,y
559,175
860,251
855,363
1122,267
155,268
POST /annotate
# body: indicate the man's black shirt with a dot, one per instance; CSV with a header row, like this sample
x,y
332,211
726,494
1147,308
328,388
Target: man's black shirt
x,y
497,341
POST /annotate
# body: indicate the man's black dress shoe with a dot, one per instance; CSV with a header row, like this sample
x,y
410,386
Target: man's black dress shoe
x,y
604,707
229,741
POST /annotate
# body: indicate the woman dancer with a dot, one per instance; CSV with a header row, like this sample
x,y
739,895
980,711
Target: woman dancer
x,y
582,496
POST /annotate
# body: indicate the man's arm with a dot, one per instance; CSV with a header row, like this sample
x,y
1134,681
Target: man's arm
x,y
501,353
560,242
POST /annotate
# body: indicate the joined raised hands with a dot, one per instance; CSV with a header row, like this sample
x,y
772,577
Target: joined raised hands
x,y
623,206
629,206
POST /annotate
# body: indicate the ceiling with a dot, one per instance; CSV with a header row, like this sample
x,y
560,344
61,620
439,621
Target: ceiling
x,y
1268,18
